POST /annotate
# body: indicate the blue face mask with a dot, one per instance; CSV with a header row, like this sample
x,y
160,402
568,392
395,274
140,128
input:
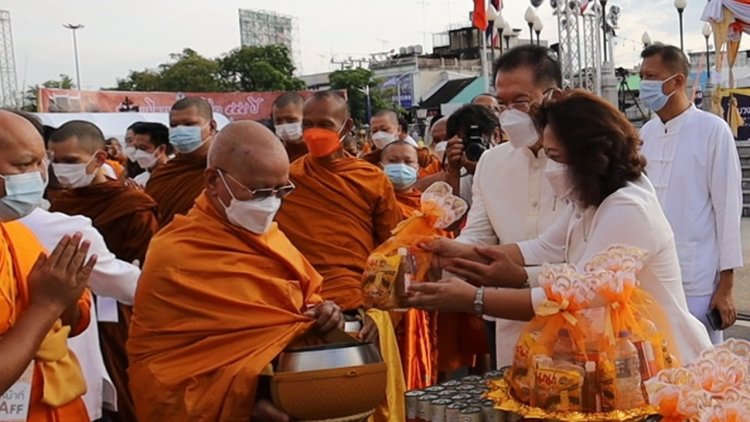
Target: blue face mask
x,y
23,193
185,139
402,176
652,94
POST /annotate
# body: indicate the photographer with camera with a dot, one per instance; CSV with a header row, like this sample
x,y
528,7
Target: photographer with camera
x,y
512,198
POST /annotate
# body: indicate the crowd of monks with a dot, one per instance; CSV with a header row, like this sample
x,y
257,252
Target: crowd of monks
x,y
236,252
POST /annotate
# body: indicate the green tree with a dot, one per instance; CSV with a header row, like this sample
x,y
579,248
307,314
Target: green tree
x,y
352,80
188,71
252,68
30,98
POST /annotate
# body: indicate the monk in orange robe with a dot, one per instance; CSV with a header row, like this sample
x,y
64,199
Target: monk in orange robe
x,y
342,209
177,184
44,297
384,129
126,218
416,330
223,291
287,121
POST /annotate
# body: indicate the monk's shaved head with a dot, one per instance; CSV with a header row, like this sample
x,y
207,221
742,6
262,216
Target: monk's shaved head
x,y
22,147
339,109
251,153
90,138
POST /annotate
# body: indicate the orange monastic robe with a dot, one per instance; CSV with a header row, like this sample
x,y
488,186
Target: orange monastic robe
x,y
428,163
118,168
341,210
175,185
417,330
215,304
127,219
19,250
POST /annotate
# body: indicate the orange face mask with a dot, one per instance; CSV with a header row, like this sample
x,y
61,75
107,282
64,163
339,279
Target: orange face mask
x,y
321,142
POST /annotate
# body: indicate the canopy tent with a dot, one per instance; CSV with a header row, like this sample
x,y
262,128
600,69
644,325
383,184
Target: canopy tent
x,y
114,125
446,93
472,90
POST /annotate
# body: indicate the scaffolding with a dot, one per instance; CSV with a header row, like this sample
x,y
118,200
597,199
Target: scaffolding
x,y
8,82
262,28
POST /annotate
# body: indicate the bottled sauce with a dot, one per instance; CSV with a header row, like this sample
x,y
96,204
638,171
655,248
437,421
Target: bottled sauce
x,y
629,394
563,349
592,398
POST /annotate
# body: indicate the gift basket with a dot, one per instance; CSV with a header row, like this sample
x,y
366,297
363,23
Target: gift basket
x,y
399,261
593,342
712,389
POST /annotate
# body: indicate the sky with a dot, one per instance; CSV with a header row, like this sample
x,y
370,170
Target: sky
x,y
120,36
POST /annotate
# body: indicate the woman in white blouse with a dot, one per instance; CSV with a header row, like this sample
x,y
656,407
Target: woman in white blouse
x,y
596,169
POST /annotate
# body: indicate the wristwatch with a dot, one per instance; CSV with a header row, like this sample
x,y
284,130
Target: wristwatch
x,y
479,301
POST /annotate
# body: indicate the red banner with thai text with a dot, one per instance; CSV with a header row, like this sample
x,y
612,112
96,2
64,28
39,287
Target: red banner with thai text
x,y
234,105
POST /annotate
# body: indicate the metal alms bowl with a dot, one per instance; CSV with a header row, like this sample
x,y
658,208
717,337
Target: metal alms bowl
x,y
328,356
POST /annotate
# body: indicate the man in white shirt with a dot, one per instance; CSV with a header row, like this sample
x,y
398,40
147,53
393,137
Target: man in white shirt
x,y
694,166
111,280
512,201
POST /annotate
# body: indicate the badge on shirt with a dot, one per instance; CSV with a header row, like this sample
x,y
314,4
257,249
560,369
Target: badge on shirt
x,y
14,404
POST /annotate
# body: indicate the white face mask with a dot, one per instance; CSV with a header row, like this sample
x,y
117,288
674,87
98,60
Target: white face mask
x,y
558,176
129,151
290,132
73,176
145,159
383,139
519,127
253,215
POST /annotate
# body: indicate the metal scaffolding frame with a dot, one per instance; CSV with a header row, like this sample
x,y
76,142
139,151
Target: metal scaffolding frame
x,y
8,81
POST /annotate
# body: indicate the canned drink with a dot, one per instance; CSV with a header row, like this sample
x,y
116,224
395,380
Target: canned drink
x,y
513,417
452,413
461,398
439,407
474,402
466,387
490,414
477,392
472,378
494,375
434,389
447,393
412,404
424,411
470,414
451,384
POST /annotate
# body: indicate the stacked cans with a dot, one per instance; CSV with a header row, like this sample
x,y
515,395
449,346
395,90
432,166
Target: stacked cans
x,y
455,401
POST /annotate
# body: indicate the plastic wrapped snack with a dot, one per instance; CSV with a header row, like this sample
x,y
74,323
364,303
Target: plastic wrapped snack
x,y
399,261
593,342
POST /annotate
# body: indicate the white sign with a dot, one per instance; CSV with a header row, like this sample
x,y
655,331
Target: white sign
x,y
14,404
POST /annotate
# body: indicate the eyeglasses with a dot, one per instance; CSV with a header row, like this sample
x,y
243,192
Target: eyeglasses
x,y
551,96
524,105
262,193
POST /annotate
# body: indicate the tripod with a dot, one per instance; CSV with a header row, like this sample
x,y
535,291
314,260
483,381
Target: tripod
x,y
624,90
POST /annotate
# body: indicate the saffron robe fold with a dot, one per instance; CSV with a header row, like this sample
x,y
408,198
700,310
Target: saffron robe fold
x,y
215,305
175,186
59,380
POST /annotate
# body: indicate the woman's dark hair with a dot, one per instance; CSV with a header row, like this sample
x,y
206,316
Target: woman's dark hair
x,y
601,145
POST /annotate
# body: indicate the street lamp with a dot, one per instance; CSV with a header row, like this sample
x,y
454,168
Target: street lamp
x,y
646,39
492,18
707,33
500,24
604,28
74,28
530,17
508,30
538,26
681,5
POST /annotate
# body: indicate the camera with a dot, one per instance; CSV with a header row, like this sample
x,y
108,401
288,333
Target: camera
x,y
474,144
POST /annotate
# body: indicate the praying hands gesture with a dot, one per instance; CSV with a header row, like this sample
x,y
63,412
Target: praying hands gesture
x,y
490,266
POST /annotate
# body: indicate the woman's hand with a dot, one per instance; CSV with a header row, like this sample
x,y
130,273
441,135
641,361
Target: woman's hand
x,y
448,295
497,270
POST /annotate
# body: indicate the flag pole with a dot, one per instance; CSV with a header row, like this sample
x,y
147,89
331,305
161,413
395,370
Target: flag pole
x,y
485,70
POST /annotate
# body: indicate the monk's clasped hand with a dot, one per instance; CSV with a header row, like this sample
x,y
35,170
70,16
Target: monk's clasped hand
x,y
447,295
59,279
327,316
491,267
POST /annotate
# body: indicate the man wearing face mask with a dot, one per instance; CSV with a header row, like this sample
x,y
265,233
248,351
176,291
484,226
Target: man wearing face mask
x,y
223,292
385,129
126,218
287,121
512,200
152,149
342,209
44,298
694,166
176,184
